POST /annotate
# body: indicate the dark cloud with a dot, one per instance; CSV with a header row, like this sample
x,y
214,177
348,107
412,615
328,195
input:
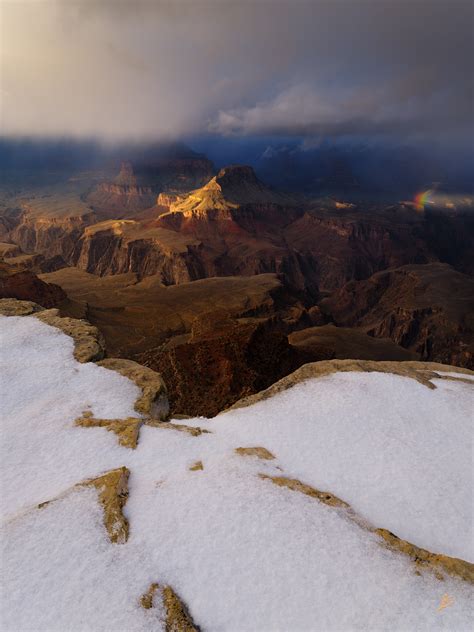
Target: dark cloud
x,y
156,69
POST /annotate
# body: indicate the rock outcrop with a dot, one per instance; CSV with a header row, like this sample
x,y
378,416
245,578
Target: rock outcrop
x,y
234,195
89,345
177,617
23,285
112,488
222,360
123,194
51,225
138,317
428,309
440,565
112,491
14,307
423,372
147,221
343,343
153,401
139,185
127,430
120,246
349,244
152,404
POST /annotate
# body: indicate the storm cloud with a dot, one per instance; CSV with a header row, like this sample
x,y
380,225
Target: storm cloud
x,y
155,70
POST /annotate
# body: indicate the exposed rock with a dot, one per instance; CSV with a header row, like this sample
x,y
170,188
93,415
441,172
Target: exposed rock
x,y
119,246
127,429
194,431
166,199
177,617
232,188
35,263
113,493
347,343
196,466
233,224
14,307
51,225
248,227
221,361
153,401
9,250
122,193
146,600
423,559
137,317
89,344
259,452
297,486
137,185
428,309
423,372
23,285
346,244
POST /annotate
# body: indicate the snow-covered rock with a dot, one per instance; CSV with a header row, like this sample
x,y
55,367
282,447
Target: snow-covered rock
x,y
276,515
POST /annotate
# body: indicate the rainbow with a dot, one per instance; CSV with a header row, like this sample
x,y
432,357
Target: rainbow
x,y
422,199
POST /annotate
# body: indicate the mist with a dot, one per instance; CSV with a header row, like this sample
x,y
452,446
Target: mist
x,y
391,72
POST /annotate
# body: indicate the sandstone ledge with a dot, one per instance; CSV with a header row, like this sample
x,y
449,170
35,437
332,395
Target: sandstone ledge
x,y
89,344
423,560
259,452
113,493
127,429
423,372
112,489
177,617
14,307
153,401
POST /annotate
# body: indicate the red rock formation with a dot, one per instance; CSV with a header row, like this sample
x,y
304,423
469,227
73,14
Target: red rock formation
x,y
428,309
25,286
134,191
234,225
348,343
122,194
51,226
221,361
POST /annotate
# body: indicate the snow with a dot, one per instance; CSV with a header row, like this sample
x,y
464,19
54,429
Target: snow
x,y
42,391
242,553
63,573
396,451
464,376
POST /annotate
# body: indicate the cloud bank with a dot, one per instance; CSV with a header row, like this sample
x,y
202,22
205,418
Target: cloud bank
x,y
145,70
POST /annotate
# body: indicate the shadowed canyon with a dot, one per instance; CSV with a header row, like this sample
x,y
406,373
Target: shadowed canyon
x,y
226,284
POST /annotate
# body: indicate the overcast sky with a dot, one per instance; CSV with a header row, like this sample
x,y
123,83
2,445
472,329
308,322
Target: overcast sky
x,y
344,68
